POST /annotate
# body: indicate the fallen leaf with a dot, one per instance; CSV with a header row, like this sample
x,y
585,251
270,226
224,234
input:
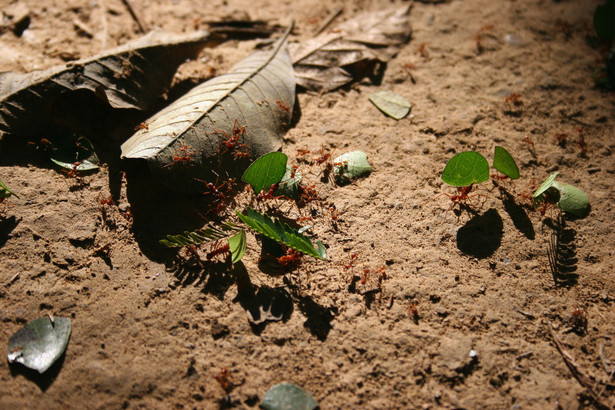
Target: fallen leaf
x,y
39,343
130,76
350,165
335,57
390,103
217,124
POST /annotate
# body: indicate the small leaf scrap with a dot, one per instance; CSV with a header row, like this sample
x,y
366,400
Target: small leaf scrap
x,y
505,163
5,192
74,153
39,343
265,171
350,165
237,244
392,104
466,168
286,396
289,185
544,187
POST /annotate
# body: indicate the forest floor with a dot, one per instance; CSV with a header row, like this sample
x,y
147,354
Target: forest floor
x,y
151,332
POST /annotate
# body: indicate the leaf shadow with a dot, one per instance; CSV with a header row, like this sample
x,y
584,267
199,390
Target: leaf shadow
x,y
7,225
44,380
262,303
562,253
482,235
518,215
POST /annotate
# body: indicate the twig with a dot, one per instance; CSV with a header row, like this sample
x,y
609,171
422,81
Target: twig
x,y
576,371
133,13
329,20
605,362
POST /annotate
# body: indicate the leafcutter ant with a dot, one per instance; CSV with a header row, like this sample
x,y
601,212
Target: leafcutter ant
x,y
182,156
232,144
218,249
224,379
142,126
461,196
282,105
291,258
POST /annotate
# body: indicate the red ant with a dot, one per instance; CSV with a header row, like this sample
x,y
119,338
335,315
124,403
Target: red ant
x,y
303,219
561,139
513,99
352,259
105,201
530,144
282,105
422,50
223,378
232,143
324,156
293,171
307,193
44,144
499,177
301,156
142,126
182,156
581,142
264,196
365,276
461,196
74,172
218,250
578,320
413,311
291,257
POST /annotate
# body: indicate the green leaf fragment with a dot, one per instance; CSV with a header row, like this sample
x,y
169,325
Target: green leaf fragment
x,y
505,163
289,187
207,234
281,232
74,153
572,199
466,168
265,171
288,396
548,183
39,343
392,104
350,165
237,244
5,192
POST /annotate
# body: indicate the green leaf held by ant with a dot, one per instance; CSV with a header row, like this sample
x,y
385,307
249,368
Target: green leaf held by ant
x,y
5,192
74,153
282,233
350,165
265,171
200,236
466,168
505,163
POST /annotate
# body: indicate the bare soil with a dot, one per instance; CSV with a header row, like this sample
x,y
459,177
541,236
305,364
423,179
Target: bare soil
x,y
468,312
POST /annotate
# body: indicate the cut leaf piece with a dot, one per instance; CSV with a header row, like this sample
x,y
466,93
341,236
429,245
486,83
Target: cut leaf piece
x,y
285,396
237,244
505,163
39,343
351,165
131,76
289,185
265,171
572,199
5,192
351,50
548,183
392,104
466,168
74,153
282,233
217,123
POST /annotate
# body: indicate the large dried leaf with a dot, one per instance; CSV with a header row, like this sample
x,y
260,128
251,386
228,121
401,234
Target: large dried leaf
x,y
185,142
326,62
131,76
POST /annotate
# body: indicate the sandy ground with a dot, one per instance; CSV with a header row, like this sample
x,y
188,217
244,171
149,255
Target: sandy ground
x,y
150,331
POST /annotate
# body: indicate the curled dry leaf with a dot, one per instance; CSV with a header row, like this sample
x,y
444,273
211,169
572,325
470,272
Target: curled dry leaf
x,y
130,76
336,56
217,125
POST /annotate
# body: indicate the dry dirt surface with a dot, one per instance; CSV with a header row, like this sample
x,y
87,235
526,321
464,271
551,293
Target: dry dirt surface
x,y
466,312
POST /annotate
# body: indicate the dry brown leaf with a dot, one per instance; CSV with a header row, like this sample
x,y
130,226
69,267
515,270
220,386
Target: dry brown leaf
x,y
326,61
130,76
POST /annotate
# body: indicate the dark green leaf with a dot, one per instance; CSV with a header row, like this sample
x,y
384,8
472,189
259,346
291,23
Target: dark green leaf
x,y
390,103
237,245
74,153
265,171
505,163
282,233
207,234
604,20
351,165
39,343
466,168
572,199
287,396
